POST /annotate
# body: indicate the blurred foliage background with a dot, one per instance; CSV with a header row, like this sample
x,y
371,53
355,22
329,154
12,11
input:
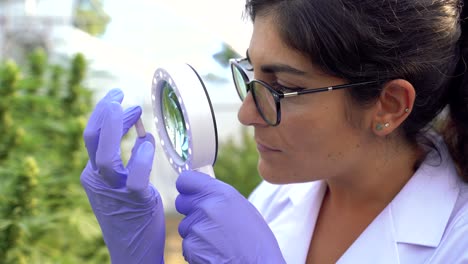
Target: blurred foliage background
x,y
237,163
89,16
44,213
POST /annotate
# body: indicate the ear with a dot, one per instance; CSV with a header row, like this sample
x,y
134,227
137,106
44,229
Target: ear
x,y
393,106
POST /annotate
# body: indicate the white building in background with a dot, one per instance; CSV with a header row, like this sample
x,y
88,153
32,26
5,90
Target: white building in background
x,y
26,24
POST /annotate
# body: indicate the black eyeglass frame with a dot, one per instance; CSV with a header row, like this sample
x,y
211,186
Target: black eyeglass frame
x,y
277,96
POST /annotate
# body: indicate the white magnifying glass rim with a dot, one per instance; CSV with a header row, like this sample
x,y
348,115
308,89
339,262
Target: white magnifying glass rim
x,y
196,108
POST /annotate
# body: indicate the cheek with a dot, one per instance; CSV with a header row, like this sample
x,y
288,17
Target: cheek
x,y
317,140
306,127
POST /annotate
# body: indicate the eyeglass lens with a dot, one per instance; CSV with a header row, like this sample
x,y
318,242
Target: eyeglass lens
x,y
239,81
264,100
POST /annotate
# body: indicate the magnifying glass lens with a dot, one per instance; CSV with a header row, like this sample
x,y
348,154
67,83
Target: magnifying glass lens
x,y
174,121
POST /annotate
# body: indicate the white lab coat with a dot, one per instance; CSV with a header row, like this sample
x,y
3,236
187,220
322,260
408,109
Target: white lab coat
x,y
427,222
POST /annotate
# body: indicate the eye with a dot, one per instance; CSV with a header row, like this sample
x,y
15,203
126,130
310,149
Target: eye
x,y
281,88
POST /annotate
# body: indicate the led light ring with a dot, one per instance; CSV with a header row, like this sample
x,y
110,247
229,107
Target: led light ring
x,y
196,108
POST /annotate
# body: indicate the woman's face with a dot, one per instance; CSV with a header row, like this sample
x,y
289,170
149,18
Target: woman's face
x,y
315,138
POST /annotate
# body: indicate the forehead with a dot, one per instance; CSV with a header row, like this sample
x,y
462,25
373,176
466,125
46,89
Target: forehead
x,y
266,45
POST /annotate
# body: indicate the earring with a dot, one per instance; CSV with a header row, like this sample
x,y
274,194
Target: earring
x,y
407,110
380,126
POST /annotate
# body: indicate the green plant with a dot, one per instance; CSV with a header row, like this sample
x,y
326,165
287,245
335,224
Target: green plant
x,y
90,16
44,213
237,163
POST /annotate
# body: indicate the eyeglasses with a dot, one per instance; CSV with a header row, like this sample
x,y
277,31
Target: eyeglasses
x,y
266,98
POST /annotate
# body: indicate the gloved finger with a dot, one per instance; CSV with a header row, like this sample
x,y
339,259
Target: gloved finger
x,y
195,251
186,224
140,140
92,130
139,172
108,160
184,204
187,249
192,182
130,117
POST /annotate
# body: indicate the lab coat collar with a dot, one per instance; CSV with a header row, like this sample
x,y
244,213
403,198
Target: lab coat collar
x,y
316,190
306,200
404,220
434,185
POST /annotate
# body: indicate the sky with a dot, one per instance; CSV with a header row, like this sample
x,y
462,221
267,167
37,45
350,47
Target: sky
x,y
167,31
175,19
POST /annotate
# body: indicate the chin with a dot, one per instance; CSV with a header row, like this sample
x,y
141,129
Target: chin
x,y
274,175
276,181
280,175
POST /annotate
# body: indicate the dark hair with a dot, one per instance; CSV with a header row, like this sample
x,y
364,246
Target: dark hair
x,y
415,40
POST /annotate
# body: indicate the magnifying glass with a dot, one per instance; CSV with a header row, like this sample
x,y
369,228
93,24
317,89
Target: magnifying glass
x,y
184,118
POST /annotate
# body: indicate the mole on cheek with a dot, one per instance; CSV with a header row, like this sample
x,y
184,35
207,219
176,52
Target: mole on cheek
x,y
336,156
332,156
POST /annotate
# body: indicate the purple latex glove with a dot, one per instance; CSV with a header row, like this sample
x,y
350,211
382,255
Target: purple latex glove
x,y
221,226
127,207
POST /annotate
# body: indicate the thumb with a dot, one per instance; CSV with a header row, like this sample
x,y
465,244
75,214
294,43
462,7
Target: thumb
x,y
140,168
192,182
140,140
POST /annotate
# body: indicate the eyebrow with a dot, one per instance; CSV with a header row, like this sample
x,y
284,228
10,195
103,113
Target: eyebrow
x,y
275,68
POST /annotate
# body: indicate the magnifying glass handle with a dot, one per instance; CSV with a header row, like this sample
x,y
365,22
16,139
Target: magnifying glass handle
x,y
208,169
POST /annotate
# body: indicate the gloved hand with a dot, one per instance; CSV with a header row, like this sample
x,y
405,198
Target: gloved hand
x,y
221,226
128,208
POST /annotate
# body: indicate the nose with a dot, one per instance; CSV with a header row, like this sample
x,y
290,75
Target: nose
x,y
248,114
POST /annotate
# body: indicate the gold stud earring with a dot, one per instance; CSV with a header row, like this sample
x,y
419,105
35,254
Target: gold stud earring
x,y
386,124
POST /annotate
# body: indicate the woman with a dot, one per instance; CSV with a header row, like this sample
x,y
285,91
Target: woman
x,y
358,168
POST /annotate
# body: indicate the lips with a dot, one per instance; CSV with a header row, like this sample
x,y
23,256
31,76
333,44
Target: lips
x,y
264,148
